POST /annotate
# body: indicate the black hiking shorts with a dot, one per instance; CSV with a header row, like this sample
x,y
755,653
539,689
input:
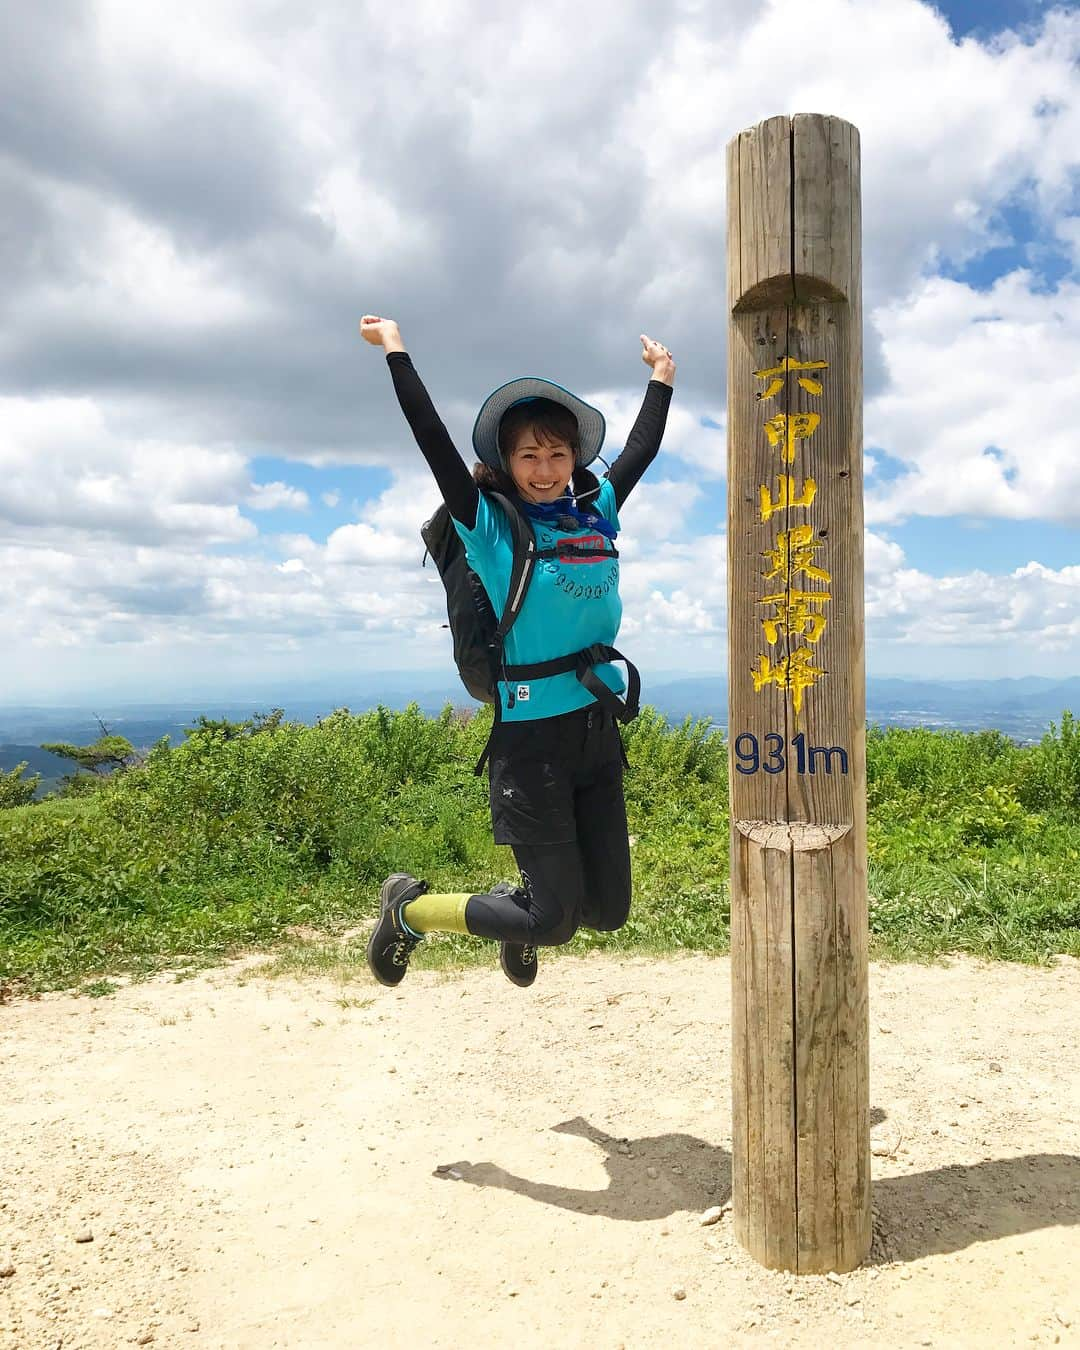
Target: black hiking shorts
x,y
556,778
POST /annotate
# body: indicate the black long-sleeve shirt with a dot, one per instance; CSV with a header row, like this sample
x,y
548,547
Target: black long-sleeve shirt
x,y
456,483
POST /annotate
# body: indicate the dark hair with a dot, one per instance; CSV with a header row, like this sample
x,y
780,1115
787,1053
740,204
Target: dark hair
x,y
493,480
549,421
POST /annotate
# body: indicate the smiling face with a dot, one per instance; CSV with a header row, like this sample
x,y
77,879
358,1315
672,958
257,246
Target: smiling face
x,y
538,440
540,466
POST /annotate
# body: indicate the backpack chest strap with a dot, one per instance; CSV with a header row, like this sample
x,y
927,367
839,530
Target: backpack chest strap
x,y
573,552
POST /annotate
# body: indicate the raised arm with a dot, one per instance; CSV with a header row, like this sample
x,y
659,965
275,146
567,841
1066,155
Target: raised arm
x,y
456,484
648,431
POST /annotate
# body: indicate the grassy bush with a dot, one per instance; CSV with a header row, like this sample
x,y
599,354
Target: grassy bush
x,y
231,836
973,842
15,790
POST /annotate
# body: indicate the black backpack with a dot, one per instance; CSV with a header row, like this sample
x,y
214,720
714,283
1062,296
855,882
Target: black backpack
x,y
479,636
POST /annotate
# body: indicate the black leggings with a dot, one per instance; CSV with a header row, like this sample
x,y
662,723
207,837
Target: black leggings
x,y
561,776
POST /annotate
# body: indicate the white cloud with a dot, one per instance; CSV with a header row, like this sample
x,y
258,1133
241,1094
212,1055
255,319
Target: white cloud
x,y
348,598
276,497
398,511
109,592
1033,604
657,511
196,213
704,448
361,543
979,403
364,220
671,588
64,467
950,132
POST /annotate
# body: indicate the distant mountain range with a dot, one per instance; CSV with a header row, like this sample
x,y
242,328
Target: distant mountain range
x,y
1021,708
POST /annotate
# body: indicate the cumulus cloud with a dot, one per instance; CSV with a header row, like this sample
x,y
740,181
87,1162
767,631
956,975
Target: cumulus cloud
x,y
979,399
335,599
64,468
671,588
108,593
242,214
276,497
1033,604
656,511
198,211
694,433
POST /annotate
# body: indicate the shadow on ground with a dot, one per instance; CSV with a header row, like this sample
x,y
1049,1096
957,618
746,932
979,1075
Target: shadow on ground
x,y
691,1174
950,1208
922,1214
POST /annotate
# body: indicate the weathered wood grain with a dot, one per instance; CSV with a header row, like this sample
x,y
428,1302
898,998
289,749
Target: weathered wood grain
x,y
795,591
759,168
755,340
825,158
817,994
778,1108
852,1087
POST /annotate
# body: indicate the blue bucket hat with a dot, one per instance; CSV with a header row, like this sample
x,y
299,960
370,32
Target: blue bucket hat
x,y
485,436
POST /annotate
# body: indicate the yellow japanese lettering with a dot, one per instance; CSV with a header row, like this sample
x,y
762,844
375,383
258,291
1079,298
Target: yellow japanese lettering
x,y
786,495
787,428
795,673
794,552
793,615
776,376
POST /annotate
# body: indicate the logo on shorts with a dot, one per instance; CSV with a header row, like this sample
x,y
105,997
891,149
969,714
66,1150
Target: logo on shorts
x,y
508,791
523,693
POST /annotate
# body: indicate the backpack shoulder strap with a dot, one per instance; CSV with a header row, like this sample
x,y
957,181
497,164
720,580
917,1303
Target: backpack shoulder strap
x,y
521,572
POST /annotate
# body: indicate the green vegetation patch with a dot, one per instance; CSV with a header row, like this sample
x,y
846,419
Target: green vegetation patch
x,y
244,831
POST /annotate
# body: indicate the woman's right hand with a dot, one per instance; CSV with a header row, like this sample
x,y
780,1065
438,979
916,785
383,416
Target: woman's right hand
x,y
381,332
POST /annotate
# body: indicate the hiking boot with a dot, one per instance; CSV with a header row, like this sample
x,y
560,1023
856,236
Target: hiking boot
x,y
518,961
391,944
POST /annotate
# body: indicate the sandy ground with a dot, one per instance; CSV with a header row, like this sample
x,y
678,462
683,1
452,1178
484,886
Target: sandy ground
x,y
235,1162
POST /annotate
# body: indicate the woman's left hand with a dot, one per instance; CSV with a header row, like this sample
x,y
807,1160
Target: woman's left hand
x,y
656,355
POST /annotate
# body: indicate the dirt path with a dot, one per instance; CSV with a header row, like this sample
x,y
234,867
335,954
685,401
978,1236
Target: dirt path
x,y
225,1164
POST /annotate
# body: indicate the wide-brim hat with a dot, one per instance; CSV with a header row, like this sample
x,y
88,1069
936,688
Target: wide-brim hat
x,y
485,436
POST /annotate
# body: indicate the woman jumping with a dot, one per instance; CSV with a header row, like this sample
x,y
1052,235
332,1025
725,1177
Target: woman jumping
x,y
556,762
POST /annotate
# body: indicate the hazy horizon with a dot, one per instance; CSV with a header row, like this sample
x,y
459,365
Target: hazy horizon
x,y
428,680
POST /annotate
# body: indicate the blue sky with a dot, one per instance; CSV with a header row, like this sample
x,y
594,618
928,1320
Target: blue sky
x,y
945,546
205,482
983,19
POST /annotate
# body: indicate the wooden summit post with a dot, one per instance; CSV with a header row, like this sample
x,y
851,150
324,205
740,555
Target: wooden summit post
x,y
796,696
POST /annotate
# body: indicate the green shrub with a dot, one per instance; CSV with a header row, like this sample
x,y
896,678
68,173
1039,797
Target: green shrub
x,y
992,815
15,790
1050,777
244,828
910,765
